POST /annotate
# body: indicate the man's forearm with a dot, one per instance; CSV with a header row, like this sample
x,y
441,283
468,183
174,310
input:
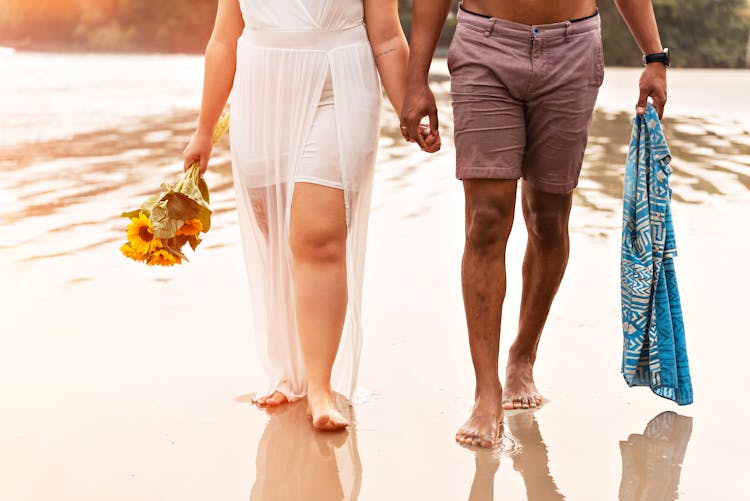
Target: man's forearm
x,y
640,18
428,19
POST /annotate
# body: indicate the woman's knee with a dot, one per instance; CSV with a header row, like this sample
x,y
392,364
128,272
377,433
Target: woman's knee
x,y
318,242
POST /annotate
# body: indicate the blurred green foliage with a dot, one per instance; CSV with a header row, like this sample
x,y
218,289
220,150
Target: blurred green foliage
x,y
708,33
107,25
700,33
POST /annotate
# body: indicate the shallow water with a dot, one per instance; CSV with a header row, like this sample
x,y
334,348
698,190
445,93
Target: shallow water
x,y
121,382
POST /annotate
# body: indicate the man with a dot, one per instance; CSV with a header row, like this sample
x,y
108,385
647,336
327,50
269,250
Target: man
x,y
525,75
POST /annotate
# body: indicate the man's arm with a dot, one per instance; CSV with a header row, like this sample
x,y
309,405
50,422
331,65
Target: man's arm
x,y
639,16
428,19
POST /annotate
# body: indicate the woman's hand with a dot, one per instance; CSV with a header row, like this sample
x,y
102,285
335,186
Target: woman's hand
x,y
198,150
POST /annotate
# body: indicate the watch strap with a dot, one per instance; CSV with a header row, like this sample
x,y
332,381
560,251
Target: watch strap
x,y
658,57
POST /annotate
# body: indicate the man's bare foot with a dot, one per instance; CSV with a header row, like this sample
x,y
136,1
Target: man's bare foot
x,y
273,400
323,412
520,390
483,426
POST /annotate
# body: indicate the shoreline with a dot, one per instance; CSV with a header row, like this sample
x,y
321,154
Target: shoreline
x,y
125,382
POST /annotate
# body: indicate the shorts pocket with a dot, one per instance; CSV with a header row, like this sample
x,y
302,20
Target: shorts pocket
x,y
452,48
598,77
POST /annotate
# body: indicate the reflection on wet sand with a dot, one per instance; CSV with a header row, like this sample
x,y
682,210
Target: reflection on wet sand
x,y
295,463
652,462
530,459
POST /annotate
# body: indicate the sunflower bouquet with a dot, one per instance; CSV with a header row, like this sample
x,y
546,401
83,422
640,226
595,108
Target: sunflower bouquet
x,y
173,218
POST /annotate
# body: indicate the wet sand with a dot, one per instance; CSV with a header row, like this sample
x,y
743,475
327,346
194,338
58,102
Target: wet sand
x,y
120,382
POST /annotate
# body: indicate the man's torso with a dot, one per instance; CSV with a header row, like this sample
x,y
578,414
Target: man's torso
x,y
532,11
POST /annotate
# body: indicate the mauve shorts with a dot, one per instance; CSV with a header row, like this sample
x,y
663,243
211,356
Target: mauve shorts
x,y
523,97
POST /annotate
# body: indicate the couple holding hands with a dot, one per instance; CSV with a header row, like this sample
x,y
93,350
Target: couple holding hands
x,y
305,77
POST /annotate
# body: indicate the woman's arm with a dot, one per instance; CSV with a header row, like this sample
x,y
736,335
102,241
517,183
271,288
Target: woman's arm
x,y
389,47
220,65
392,57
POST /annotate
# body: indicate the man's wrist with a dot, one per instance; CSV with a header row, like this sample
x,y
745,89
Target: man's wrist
x,y
660,57
417,76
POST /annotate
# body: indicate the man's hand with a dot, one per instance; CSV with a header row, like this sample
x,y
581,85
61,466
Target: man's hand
x,y
419,103
653,84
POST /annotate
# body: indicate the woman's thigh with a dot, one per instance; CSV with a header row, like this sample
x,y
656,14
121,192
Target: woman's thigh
x,y
318,222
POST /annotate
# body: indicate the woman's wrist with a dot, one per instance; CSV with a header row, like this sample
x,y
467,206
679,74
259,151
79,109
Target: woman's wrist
x,y
204,129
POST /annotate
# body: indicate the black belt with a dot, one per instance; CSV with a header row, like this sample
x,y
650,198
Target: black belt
x,y
461,6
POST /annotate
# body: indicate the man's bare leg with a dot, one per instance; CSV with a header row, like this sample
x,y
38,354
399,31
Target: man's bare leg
x,y
489,219
546,216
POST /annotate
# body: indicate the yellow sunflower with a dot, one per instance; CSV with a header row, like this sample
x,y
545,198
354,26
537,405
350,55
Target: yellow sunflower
x,y
129,252
190,228
141,235
162,257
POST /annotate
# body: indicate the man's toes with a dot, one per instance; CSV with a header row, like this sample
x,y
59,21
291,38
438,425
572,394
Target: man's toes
x,y
465,437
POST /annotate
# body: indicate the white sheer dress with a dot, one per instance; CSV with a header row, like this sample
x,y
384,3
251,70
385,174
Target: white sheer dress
x,y
305,107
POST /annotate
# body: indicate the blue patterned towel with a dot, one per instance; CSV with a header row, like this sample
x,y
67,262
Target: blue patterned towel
x,y
654,349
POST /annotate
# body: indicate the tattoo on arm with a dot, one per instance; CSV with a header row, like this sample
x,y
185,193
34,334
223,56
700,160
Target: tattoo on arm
x,y
385,51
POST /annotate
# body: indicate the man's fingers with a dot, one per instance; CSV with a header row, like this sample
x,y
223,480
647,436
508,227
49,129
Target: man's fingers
x,y
434,121
659,102
640,107
434,146
204,164
415,134
405,132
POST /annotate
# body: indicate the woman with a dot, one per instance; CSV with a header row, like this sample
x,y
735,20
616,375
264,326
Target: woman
x,y
305,105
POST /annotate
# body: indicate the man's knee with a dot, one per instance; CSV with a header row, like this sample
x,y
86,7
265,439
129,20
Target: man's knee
x,y
547,227
488,224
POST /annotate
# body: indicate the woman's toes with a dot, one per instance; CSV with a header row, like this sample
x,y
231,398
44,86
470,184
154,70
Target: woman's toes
x,y
277,398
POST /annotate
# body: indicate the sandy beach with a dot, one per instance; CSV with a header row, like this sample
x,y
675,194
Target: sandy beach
x,y
120,382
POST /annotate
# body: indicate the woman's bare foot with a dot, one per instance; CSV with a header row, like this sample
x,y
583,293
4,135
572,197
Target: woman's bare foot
x,y
273,400
323,412
483,426
520,390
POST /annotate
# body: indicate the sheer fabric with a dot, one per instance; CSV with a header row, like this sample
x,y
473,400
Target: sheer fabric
x,y
284,57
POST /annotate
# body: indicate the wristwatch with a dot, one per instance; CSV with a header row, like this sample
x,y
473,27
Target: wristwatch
x,y
658,57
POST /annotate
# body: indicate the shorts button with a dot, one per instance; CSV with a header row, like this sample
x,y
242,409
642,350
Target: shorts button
x,y
486,33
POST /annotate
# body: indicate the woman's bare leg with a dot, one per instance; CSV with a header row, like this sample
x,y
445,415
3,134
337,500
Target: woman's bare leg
x,y
318,244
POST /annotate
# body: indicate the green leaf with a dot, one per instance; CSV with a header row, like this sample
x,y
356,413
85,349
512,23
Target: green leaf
x,y
203,187
146,207
164,226
181,206
132,213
